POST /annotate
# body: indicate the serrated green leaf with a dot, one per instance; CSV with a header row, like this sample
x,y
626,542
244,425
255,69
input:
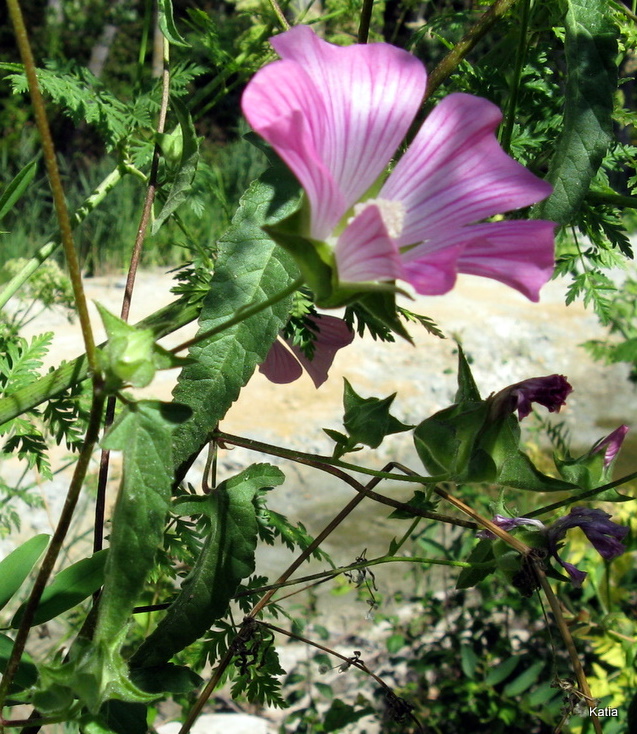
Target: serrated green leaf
x,y
15,188
367,420
16,566
591,48
143,431
69,587
250,268
226,558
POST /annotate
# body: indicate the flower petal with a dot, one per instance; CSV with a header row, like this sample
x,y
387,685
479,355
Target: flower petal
x,y
455,172
280,366
435,272
519,253
365,252
344,108
332,334
611,444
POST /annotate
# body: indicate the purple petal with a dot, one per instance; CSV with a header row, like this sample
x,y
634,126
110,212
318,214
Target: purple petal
x,y
434,273
518,253
509,523
611,445
335,115
455,172
365,252
550,391
280,367
332,335
576,575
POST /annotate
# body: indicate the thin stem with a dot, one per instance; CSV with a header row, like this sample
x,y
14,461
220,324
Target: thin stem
x,y
582,495
55,181
100,503
318,460
279,14
509,119
75,487
366,17
241,315
568,640
452,60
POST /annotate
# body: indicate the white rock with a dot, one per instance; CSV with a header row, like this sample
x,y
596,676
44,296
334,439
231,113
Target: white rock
x,y
220,724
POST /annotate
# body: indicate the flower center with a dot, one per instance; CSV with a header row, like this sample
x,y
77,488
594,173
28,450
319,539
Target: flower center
x,y
391,212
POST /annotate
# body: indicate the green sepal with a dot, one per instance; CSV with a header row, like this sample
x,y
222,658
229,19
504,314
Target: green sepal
x,y
131,356
368,420
467,388
482,555
95,674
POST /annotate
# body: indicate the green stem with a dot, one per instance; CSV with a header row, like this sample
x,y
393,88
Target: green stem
x,y
55,545
588,494
520,55
452,60
98,195
333,573
366,17
241,315
162,322
55,181
319,461
619,200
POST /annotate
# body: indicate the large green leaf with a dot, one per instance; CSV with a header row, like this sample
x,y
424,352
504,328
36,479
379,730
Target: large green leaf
x,y
16,566
591,48
226,558
70,587
250,268
143,431
96,671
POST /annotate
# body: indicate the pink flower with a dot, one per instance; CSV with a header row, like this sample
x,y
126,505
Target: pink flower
x,y
336,116
611,445
283,364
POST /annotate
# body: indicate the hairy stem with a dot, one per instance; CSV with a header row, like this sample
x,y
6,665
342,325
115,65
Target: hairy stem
x,y
55,182
55,545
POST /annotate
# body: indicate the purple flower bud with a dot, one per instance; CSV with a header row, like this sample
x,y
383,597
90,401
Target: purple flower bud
x,y
508,523
550,391
611,445
603,533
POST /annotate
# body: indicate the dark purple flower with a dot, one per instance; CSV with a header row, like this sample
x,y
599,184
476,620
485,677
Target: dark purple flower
x,y
508,523
285,362
603,533
611,445
550,391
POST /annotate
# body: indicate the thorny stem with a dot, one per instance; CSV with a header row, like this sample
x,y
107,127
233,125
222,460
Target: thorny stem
x,y
92,434
55,181
100,503
452,60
